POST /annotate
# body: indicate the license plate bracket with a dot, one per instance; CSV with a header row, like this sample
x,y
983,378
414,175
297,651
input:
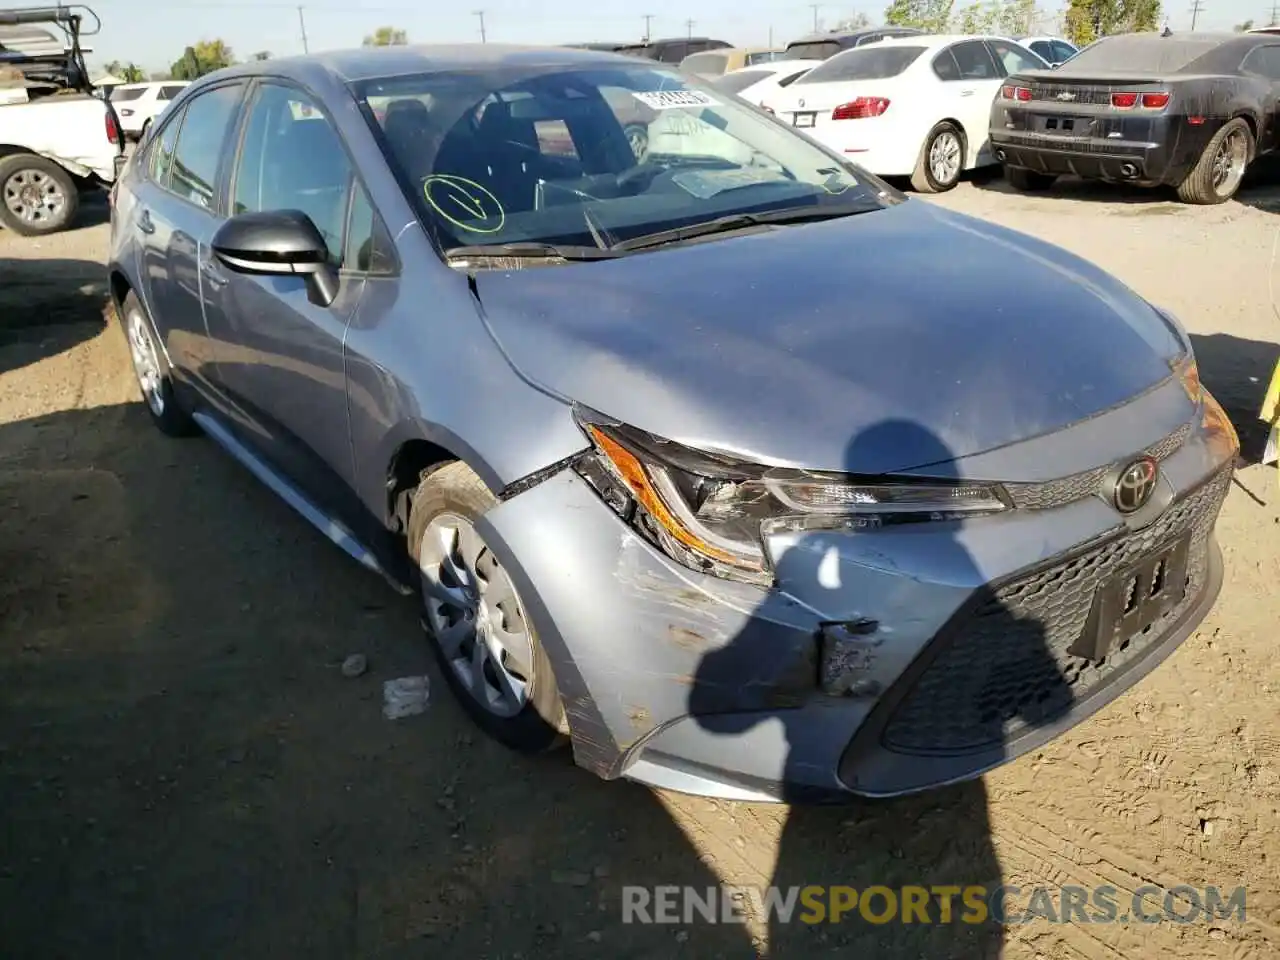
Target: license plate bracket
x,y
804,118
1131,602
1059,126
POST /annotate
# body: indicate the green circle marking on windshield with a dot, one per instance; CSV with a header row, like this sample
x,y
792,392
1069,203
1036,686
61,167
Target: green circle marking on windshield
x,y
456,198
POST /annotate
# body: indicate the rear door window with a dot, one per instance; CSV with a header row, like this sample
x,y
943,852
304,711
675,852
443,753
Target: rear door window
x,y
194,174
1062,52
974,61
161,160
945,66
1012,58
869,63
1044,48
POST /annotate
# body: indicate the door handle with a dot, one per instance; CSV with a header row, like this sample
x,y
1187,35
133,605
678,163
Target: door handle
x,y
144,222
212,275
967,93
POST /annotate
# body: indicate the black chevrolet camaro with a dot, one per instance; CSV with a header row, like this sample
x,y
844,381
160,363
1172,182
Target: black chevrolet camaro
x,y
1190,111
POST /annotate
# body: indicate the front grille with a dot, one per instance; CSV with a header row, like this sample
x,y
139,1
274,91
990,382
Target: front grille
x,y
1052,91
1064,490
1006,668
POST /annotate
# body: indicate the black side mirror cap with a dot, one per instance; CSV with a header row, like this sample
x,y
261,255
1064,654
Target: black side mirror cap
x,y
278,243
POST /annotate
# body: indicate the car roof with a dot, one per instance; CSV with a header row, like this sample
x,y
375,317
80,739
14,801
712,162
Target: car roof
x,y
368,63
838,35
931,41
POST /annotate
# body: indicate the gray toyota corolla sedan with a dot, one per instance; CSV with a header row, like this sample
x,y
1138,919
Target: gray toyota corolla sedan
x,y
720,460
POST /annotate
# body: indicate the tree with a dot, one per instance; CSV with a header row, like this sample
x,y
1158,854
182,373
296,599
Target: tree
x,y
979,17
387,37
128,72
205,57
856,21
1243,27
1018,17
1088,20
929,15
262,55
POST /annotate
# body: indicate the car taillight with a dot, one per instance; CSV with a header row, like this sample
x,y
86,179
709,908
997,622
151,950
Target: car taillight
x,y
860,109
1124,100
113,132
1155,101
1011,92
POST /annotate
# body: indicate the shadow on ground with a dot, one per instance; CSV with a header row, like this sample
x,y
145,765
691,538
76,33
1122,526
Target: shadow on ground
x,y
48,306
187,773
1261,187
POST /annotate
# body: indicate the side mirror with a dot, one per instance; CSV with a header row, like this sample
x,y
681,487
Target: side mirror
x,y
278,243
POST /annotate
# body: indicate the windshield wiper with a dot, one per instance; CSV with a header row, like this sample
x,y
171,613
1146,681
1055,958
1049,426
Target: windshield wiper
x,y
738,221
531,250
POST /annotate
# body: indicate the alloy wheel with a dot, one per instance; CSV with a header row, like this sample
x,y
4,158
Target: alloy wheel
x,y
944,157
34,197
146,361
1229,163
475,616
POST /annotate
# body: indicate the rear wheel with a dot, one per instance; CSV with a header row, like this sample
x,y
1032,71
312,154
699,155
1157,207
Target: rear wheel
x,y
1217,174
1020,178
482,637
152,369
941,159
37,196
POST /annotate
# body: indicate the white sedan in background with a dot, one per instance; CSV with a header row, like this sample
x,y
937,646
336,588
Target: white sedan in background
x,y
907,106
138,104
758,82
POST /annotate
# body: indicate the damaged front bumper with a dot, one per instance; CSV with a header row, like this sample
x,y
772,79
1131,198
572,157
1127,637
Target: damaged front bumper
x,y
838,680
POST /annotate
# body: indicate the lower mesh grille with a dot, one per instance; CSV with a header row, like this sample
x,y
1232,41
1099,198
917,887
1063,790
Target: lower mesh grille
x,y
1008,667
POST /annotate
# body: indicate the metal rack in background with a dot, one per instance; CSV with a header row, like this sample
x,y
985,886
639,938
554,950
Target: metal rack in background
x,y
43,67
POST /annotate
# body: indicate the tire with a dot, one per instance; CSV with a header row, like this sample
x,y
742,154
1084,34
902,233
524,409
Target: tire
x,y
442,519
37,197
638,137
1208,183
941,160
151,367
1028,181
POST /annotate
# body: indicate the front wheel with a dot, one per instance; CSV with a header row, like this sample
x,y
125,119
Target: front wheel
x,y
37,196
480,631
941,160
1217,174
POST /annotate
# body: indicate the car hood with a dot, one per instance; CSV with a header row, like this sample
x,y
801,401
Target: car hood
x,y
949,335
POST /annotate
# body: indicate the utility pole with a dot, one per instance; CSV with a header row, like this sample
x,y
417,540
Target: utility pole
x,y
1275,14
688,24
771,38
480,14
1197,6
815,7
648,17
302,24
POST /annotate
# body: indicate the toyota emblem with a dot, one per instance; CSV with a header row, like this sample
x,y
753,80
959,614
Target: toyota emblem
x,y
1135,485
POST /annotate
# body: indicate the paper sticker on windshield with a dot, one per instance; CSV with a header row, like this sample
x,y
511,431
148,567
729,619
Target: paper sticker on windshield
x,y
675,99
705,184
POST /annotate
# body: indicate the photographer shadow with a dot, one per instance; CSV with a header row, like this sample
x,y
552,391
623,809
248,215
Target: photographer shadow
x,y
989,680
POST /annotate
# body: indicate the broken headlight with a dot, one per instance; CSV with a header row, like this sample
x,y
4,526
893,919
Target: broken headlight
x,y
713,512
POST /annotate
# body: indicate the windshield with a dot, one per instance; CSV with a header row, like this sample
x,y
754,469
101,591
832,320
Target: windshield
x,y
863,63
595,156
739,80
1142,53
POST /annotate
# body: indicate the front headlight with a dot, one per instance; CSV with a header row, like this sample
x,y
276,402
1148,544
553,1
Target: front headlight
x,y
712,512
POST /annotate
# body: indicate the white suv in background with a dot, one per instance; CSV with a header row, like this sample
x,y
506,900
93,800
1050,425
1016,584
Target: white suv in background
x,y
140,103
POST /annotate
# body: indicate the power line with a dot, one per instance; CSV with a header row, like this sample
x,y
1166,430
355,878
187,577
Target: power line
x,y
689,26
1275,14
480,14
1197,6
302,25
815,7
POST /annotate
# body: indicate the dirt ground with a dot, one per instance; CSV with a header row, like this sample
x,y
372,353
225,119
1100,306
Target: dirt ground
x,y
186,772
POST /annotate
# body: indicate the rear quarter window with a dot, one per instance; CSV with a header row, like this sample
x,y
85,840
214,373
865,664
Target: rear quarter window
x,y
870,63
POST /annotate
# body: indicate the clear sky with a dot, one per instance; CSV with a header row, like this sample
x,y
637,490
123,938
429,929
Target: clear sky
x,y
153,33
